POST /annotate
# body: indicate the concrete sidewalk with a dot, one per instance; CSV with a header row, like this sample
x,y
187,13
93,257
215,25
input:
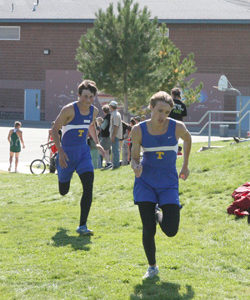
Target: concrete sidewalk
x,y
23,167
33,138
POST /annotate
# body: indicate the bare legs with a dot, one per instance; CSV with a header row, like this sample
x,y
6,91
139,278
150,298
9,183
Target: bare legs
x,y
10,160
16,160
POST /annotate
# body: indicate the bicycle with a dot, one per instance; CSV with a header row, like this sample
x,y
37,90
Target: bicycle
x,y
38,166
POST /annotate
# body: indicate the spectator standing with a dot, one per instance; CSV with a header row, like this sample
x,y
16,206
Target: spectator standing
x,y
53,148
14,137
105,139
132,124
126,130
115,129
93,149
137,119
179,110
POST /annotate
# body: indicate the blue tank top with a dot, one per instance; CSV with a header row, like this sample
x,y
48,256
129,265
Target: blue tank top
x,y
75,133
159,157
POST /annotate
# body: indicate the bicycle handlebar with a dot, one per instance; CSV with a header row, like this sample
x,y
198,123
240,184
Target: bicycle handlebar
x,y
46,146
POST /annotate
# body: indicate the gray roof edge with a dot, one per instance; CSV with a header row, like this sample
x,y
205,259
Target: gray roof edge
x,y
168,21
204,21
47,20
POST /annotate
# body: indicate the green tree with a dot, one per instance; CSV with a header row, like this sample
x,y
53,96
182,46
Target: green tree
x,y
124,53
172,71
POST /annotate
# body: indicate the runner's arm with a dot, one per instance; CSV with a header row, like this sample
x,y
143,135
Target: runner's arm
x,y
9,135
21,138
184,134
92,127
136,138
92,132
64,117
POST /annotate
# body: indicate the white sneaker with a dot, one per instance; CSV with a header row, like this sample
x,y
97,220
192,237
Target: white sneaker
x,y
151,272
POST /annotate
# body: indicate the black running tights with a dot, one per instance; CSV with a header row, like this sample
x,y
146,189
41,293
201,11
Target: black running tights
x,y
168,221
86,200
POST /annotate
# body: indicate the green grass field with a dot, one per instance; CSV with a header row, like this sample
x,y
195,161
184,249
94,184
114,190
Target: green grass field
x,y
42,257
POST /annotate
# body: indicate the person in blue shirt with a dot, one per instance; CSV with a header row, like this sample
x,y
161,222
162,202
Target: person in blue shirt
x,y
156,177
76,120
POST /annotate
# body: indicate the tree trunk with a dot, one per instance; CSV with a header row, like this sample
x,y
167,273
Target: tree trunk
x,y
125,117
125,90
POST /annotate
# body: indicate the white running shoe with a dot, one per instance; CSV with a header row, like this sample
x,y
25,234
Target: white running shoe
x,y
151,272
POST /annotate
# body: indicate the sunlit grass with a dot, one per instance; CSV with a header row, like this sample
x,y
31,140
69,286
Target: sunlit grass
x,y
42,257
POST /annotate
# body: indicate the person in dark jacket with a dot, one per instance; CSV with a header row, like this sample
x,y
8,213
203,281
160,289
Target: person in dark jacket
x,y
179,110
105,140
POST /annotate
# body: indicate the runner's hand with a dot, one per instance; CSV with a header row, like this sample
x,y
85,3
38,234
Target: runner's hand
x,y
137,168
100,149
63,158
184,173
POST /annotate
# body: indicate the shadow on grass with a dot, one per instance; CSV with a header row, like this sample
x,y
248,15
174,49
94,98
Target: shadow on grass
x,y
152,290
238,218
61,238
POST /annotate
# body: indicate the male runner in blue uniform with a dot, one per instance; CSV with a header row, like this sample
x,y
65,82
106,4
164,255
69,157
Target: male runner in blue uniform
x,y
156,179
75,120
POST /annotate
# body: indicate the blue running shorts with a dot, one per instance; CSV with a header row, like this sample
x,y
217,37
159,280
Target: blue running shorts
x,y
79,161
143,192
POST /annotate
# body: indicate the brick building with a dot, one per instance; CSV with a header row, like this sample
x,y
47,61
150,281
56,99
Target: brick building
x,y
38,45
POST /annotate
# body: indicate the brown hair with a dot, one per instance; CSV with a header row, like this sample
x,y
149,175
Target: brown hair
x,y
176,92
87,85
18,123
105,109
163,97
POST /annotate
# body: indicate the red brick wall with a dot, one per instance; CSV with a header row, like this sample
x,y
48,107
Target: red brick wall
x,y
11,99
24,59
218,48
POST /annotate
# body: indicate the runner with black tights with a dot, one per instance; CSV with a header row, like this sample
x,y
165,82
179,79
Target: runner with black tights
x,y
156,178
76,120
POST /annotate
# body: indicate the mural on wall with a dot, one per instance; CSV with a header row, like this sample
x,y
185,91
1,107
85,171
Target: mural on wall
x,y
61,89
210,98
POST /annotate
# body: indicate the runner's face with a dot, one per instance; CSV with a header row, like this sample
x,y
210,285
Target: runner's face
x,y
87,97
160,112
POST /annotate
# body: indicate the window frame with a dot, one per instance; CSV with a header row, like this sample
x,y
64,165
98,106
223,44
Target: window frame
x,y
12,39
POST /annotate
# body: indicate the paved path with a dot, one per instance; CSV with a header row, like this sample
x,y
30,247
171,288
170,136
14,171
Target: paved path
x,y
34,137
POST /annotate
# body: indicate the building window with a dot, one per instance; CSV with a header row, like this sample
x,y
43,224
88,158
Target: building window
x,y
10,33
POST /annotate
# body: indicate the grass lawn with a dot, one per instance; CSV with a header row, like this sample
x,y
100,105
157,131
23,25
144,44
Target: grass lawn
x,y
42,257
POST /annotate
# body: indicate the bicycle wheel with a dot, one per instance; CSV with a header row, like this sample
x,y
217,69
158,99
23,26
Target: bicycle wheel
x,y
37,167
